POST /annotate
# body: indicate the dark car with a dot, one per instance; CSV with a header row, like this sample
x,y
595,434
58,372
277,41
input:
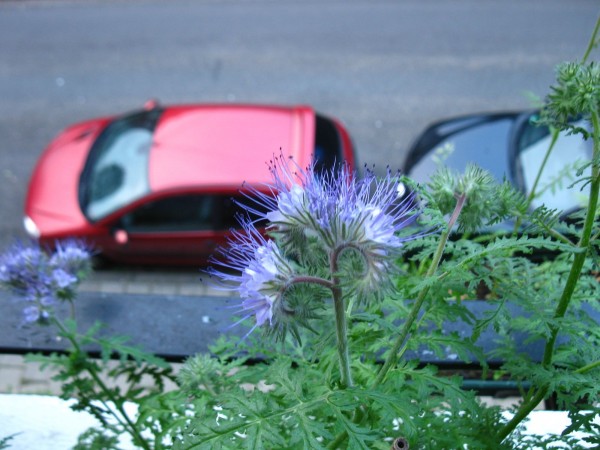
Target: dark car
x,y
159,185
510,145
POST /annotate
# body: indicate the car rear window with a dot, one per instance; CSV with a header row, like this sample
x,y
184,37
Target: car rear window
x,y
328,151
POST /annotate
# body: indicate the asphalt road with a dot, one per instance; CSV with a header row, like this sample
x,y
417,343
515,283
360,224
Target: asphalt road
x,y
385,68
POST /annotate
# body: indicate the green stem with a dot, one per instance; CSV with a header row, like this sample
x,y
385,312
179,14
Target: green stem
x,y
307,279
399,345
579,258
333,445
72,309
128,423
592,42
341,325
573,278
533,192
588,367
558,236
393,356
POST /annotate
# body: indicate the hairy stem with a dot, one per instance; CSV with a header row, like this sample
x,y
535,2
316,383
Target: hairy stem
x,y
341,325
398,347
573,278
592,42
393,356
309,280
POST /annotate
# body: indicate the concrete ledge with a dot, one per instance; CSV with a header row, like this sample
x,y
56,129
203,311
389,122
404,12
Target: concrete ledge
x,y
47,423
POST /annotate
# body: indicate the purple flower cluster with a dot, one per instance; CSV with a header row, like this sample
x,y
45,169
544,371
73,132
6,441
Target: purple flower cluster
x,y
337,206
41,279
259,272
342,211
336,211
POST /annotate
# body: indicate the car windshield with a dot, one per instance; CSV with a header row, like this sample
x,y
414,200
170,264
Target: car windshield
x,y
569,154
471,140
116,172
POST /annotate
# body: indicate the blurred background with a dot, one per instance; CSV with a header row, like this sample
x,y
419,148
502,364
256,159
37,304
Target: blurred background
x,y
385,68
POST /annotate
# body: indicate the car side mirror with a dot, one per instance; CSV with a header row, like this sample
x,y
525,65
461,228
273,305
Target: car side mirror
x,y
151,104
121,236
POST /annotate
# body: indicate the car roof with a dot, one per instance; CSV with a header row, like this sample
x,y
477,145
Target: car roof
x,y
226,145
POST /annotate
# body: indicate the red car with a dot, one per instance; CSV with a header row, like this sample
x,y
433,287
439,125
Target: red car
x,y
156,186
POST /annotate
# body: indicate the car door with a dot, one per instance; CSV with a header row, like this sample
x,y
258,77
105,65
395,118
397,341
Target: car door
x,y
177,229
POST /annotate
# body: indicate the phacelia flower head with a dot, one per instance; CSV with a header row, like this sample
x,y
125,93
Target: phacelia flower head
x,y
73,256
40,279
325,229
336,205
260,273
341,211
23,269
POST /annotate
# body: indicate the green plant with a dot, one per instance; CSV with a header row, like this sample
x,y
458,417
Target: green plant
x,y
5,442
323,398
352,276
44,281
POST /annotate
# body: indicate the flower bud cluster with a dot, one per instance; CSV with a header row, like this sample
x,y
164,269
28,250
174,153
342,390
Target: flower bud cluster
x,y
486,201
41,279
576,93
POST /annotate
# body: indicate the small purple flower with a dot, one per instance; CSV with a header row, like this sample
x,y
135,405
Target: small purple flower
x,y
33,314
40,279
261,307
260,273
72,256
21,266
39,310
62,279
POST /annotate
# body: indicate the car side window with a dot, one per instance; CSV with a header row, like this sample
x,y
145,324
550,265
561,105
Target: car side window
x,y
184,213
